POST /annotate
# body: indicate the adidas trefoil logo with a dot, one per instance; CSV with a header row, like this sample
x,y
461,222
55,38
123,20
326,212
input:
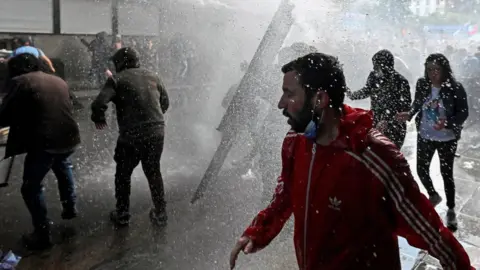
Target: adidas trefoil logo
x,y
334,203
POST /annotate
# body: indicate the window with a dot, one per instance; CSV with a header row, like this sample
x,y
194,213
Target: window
x,y
85,16
26,16
138,18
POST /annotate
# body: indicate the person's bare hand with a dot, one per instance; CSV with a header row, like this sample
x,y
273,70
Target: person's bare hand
x,y
402,116
439,125
382,126
101,126
108,73
349,93
244,244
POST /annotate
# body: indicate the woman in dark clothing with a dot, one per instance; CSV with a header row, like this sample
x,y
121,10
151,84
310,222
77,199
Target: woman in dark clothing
x,y
441,108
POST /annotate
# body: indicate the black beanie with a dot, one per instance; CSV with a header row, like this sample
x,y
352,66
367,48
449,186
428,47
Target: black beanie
x,y
384,58
126,58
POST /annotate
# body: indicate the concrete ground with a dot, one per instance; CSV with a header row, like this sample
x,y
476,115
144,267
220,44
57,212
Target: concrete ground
x,y
198,236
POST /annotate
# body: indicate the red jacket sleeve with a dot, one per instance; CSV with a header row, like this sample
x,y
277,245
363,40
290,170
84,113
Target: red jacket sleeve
x,y
415,218
269,222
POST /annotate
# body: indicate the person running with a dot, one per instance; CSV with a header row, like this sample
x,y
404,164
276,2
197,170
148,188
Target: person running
x,y
348,186
441,108
40,116
141,101
100,49
390,94
25,46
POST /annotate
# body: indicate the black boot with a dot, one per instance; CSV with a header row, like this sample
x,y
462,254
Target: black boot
x,y
40,239
452,223
120,218
435,199
69,212
158,218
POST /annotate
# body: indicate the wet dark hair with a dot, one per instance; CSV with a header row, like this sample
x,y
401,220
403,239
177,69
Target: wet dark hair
x,y
23,41
294,51
126,58
442,61
22,64
319,71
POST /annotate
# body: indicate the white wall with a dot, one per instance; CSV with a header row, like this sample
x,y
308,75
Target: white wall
x,y
32,16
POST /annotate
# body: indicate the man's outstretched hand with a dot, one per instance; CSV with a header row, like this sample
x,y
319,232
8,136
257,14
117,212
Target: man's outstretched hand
x,y
244,244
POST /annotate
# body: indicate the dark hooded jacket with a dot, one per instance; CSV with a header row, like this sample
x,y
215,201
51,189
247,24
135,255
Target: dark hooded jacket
x,y
139,96
39,113
389,95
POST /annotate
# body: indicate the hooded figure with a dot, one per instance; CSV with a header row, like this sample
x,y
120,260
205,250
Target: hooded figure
x,y
140,100
389,92
99,48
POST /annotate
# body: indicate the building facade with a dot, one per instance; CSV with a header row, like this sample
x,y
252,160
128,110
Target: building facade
x,y
79,16
427,7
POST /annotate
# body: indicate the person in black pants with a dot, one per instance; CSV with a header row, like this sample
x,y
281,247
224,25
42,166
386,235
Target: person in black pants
x,y
141,100
389,93
441,108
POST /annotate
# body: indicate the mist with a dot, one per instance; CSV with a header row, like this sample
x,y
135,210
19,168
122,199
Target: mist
x,y
213,38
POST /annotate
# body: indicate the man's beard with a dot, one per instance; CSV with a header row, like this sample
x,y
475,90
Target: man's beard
x,y
300,120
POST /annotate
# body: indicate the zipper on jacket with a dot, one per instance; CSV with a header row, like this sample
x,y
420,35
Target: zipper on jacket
x,y
307,198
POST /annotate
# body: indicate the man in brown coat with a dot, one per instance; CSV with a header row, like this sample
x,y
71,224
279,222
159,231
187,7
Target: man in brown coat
x,y
38,111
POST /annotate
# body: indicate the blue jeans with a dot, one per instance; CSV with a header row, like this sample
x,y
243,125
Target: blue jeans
x,y
36,166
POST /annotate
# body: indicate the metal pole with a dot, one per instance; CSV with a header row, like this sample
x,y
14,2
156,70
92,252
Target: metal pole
x,y
115,28
238,113
56,17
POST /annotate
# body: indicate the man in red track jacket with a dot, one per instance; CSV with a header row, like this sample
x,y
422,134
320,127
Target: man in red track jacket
x,y
349,188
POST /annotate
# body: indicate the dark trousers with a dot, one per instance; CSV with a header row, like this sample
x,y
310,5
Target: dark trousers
x,y
397,135
36,166
446,152
127,156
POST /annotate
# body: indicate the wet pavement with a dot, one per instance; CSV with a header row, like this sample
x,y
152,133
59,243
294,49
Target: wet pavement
x,y
198,236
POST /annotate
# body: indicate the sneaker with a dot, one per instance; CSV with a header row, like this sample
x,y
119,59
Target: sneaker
x,y
120,218
435,199
158,218
69,213
452,224
37,240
